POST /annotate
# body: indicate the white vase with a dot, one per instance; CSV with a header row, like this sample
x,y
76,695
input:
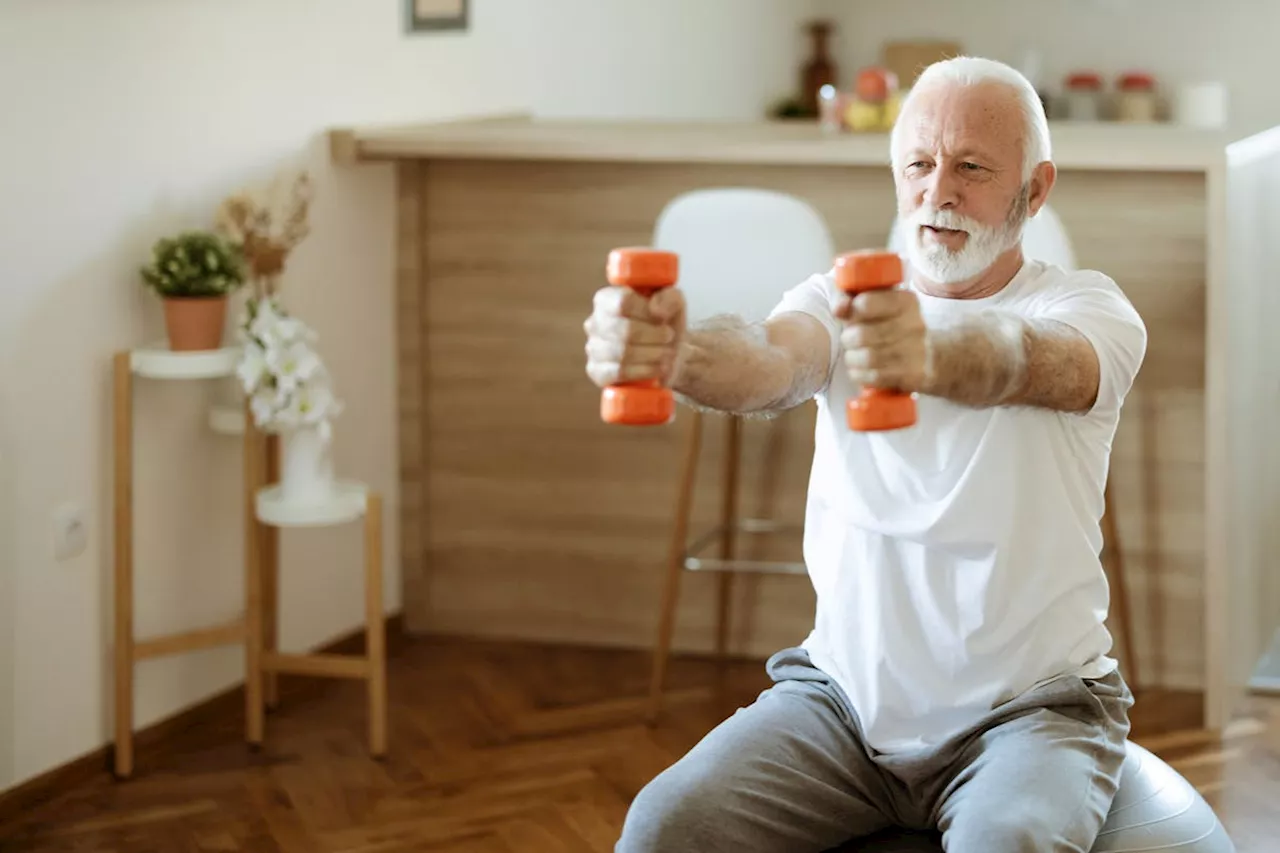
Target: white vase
x,y
306,466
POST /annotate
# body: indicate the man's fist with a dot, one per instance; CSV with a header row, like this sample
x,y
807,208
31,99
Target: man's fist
x,y
885,340
631,338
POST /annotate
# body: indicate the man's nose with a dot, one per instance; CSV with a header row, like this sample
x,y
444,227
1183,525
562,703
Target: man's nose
x,y
943,190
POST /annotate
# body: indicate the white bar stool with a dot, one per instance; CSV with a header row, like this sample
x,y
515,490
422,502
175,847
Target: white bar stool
x,y
740,249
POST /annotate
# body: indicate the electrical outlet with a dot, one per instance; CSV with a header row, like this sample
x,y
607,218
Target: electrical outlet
x,y
70,532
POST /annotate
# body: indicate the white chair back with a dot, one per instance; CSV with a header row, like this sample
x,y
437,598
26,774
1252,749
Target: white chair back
x,y
1044,238
741,248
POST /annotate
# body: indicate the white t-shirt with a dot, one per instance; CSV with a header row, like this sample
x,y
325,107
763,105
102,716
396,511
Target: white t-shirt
x,y
956,562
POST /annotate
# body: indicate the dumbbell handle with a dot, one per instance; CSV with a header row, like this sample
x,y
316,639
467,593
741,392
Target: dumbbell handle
x,y
643,403
874,409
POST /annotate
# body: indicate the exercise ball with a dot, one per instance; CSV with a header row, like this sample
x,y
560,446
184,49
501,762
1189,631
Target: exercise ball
x,y
1154,809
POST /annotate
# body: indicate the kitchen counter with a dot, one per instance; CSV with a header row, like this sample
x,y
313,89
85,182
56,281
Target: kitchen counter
x,y
1076,145
521,515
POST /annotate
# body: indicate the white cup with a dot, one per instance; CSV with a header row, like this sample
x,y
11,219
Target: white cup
x,y
1201,105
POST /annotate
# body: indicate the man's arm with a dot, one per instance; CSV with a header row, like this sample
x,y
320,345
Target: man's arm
x,y
726,364
988,358
1001,359
732,366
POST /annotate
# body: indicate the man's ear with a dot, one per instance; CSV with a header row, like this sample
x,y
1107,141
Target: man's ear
x,y
1043,178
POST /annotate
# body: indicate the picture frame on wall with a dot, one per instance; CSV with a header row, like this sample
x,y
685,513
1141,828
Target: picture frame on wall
x,y
437,15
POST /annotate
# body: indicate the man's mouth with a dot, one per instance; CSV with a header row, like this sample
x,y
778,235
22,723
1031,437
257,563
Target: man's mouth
x,y
939,230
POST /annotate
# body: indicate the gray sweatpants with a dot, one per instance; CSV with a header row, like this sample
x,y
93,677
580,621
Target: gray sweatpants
x,y
791,772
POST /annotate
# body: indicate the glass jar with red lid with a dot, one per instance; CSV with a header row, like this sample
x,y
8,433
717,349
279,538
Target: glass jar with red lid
x,y
1082,96
1136,97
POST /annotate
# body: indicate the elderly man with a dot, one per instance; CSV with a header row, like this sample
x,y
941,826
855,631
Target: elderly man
x,y
958,675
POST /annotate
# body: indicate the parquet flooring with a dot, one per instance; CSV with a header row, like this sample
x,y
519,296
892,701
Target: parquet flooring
x,y
498,748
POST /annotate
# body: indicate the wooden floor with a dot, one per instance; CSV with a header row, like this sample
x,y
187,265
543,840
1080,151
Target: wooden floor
x,y
500,747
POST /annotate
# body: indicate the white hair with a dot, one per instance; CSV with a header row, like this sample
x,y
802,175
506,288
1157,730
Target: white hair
x,y
972,71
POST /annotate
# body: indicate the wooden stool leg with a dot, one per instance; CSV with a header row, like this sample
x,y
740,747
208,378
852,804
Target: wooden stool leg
x,y
728,524
123,440
271,577
253,467
1111,547
375,637
675,565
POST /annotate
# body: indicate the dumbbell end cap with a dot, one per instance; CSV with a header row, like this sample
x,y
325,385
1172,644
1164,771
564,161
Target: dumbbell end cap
x,y
637,405
881,412
642,266
868,269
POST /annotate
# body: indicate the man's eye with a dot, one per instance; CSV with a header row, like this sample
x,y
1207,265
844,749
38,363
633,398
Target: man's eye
x,y
972,167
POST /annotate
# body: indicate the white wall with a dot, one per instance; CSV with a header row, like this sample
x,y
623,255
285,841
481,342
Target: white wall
x,y
683,59
1180,41
112,136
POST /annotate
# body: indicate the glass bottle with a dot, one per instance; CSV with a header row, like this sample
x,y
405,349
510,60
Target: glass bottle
x,y
820,70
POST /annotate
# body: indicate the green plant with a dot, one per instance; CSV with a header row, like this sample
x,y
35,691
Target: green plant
x,y
194,264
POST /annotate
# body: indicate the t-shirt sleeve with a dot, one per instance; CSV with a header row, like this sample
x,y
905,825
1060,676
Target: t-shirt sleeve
x,y
816,296
1095,306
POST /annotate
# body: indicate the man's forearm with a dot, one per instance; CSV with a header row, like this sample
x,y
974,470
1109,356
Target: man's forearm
x,y
728,365
997,358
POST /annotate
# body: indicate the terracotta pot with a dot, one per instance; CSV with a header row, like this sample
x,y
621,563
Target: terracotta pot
x,y
195,322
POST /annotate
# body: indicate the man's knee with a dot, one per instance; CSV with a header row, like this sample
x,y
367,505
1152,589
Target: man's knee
x,y
681,809
1017,828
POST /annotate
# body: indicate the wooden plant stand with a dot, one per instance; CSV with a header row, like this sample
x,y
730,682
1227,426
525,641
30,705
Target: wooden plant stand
x,y
351,502
156,363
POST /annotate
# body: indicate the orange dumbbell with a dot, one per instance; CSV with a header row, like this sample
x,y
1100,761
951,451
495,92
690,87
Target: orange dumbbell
x,y
874,409
644,403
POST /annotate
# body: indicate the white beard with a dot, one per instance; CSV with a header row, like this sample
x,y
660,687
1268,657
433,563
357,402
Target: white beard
x,y
984,244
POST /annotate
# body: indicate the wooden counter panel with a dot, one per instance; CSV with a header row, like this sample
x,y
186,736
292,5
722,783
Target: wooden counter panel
x,y
1147,232
1169,619
513,252
411,377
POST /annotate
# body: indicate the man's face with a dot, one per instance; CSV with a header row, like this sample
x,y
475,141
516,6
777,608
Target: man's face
x,y
961,198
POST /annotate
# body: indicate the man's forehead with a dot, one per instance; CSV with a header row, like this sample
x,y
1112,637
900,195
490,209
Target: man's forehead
x,y
982,113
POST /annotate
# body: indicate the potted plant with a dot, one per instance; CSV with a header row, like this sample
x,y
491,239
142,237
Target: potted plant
x,y
193,273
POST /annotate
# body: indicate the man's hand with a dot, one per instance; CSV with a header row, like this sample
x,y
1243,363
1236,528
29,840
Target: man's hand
x,y
886,342
631,338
